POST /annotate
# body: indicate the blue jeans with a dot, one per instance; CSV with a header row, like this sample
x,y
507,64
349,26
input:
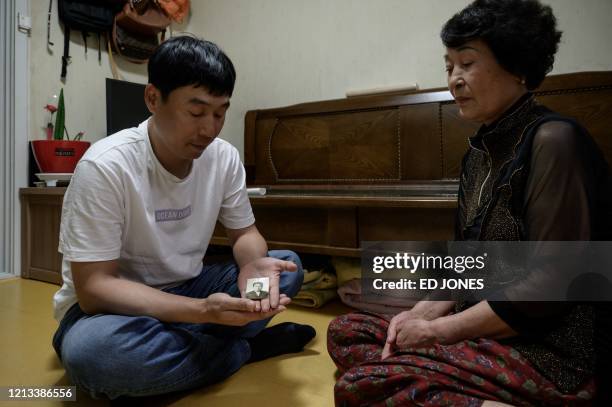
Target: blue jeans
x,y
116,355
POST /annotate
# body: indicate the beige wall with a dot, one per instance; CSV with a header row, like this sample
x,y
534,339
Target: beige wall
x,y
292,51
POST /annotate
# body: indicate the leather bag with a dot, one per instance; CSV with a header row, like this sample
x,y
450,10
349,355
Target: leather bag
x,y
142,17
134,47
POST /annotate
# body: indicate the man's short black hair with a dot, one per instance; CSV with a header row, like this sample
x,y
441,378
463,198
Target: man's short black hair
x,y
258,283
186,60
522,34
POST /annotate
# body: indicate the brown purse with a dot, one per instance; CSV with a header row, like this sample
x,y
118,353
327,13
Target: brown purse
x,y
142,17
134,47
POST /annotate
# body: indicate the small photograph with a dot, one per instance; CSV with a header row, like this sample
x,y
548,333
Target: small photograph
x,y
257,288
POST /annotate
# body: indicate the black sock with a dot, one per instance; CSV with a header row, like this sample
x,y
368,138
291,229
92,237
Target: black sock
x,y
287,337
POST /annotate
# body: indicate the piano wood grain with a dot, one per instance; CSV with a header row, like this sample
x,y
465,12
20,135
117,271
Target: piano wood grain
x,y
343,171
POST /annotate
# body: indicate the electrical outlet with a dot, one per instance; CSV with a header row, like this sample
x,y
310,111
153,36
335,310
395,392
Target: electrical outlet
x,y
24,23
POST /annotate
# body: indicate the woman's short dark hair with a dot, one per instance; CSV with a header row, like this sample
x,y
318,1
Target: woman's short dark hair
x,y
186,60
522,34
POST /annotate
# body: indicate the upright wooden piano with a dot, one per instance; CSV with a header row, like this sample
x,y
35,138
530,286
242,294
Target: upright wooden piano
x,y
343,171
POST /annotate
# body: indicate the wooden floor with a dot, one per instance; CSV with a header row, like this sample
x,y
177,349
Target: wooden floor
x,y
27,358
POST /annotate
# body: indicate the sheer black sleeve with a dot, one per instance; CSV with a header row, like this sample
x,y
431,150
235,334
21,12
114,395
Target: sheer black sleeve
x,y
556,199
556,208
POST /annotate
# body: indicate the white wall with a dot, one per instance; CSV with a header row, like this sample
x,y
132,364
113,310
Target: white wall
x,y
292,51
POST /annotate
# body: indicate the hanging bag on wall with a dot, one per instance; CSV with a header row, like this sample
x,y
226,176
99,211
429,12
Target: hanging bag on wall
x,y
177,10
87,16
142,17
136,30
136,48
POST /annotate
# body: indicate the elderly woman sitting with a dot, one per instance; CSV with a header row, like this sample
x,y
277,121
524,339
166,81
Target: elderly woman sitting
x,y
528,174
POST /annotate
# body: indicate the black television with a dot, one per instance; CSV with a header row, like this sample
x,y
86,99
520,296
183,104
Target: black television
x,y
125,106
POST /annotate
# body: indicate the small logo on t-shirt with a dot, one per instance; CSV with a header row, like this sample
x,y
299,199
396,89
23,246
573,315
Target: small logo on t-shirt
x,y
166,215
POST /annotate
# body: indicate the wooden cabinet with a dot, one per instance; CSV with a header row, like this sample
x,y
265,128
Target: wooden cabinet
x,y
333,224
41,210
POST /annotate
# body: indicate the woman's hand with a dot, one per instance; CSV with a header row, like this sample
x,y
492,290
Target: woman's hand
x,y
415,333
424,311
408,329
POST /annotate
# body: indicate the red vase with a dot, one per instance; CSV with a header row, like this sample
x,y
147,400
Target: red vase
x,y
58,156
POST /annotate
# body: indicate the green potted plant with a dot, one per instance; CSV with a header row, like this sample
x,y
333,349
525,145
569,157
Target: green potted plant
x,y
59,154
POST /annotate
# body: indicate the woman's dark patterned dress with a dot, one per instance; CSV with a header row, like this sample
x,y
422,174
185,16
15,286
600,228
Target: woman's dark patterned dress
x,y
523,178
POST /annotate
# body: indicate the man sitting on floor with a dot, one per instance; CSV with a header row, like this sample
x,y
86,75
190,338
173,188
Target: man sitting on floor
x,y
139,313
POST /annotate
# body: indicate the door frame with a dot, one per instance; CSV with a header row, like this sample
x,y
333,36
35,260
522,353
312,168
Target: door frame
x,y
14,129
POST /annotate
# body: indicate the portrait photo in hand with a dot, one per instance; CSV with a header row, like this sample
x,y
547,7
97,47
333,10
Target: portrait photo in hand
x,y
257,288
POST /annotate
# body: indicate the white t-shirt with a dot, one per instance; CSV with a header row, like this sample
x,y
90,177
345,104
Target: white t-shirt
x,y
123,204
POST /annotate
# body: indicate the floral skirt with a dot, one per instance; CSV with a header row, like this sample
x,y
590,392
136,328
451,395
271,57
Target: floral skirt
x,y
463,374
